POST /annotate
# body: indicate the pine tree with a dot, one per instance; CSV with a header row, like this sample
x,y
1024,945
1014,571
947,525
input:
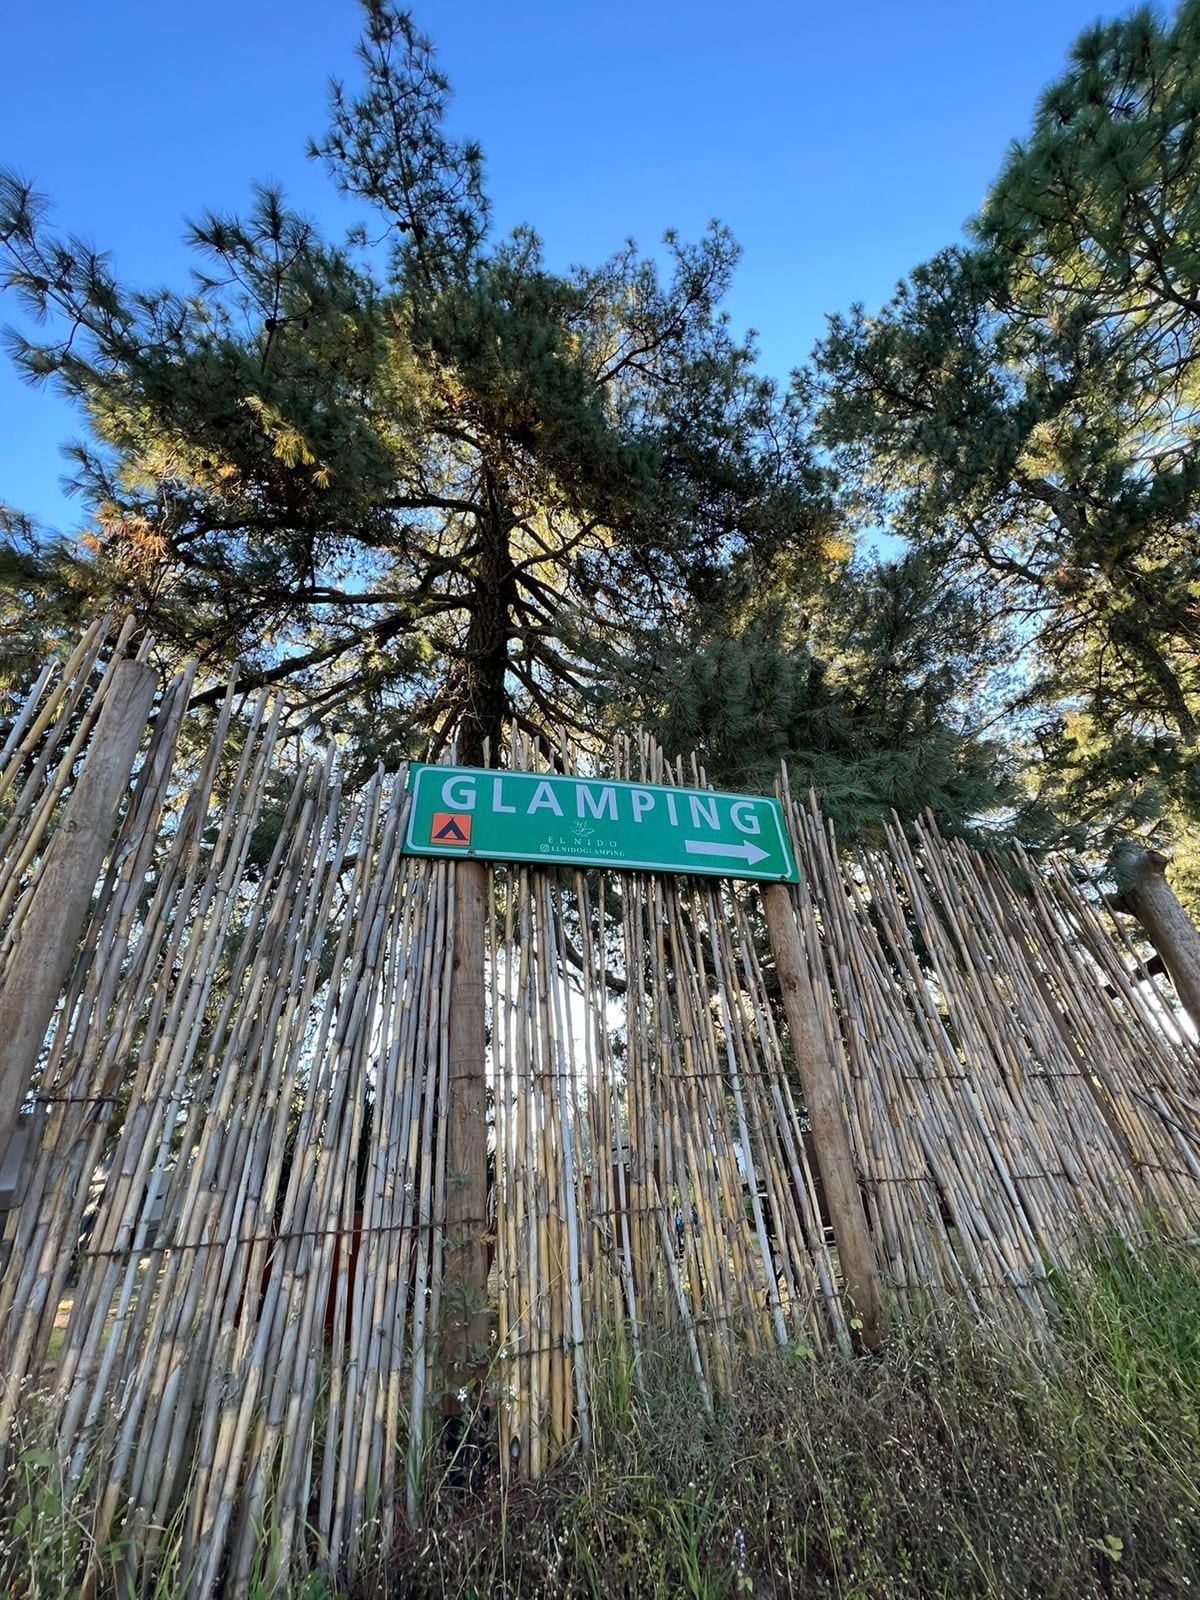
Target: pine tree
x,y
871,684
418,495
1025,412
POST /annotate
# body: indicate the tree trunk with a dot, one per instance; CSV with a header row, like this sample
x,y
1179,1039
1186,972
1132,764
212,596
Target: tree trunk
x,y
465,1314
830,1136
1150,898
480,739
485,653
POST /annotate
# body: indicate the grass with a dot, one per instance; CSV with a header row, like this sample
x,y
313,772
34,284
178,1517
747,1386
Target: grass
x,y
959,1465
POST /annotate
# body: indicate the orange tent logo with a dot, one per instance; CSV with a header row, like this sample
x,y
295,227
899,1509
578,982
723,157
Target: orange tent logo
x,y
451,828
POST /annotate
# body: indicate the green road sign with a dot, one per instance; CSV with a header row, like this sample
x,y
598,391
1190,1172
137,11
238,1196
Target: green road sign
x,y
528,816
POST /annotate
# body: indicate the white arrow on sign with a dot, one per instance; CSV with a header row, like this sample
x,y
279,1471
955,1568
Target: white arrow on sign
x,y
749,853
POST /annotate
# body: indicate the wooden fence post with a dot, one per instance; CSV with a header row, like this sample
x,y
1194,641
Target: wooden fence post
x,y
45,947
830,1136
1151,899
464,1282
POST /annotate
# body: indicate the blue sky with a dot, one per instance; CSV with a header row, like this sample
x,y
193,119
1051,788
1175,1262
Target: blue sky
x,y
841,143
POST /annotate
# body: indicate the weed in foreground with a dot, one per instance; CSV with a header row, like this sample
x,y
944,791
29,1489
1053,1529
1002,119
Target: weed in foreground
x,y
962,1466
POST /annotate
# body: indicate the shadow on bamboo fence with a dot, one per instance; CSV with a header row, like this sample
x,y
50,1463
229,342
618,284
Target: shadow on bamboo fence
x,y
223,1282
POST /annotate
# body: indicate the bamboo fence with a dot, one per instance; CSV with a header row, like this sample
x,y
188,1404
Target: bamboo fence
x,y
221,1291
